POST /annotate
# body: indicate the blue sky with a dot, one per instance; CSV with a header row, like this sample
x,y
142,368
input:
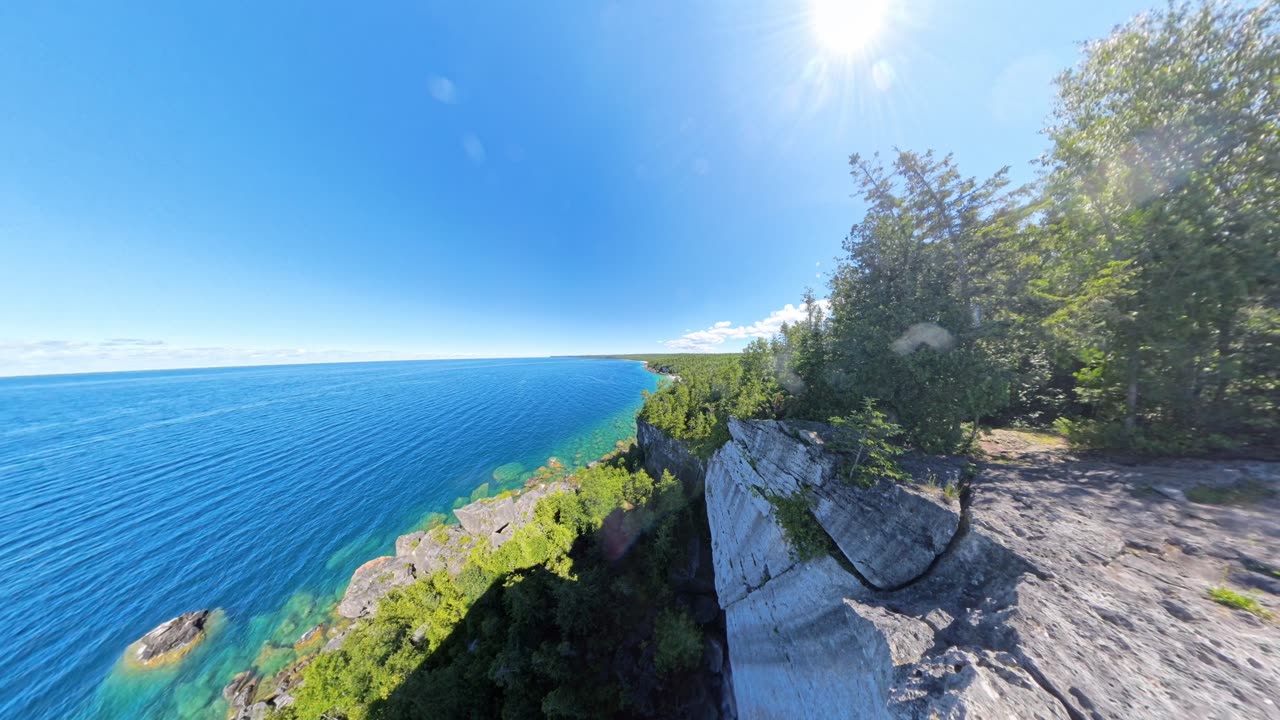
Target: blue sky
x,y
191,184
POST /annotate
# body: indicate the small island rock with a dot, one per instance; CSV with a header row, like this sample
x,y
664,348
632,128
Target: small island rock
x,y
171,639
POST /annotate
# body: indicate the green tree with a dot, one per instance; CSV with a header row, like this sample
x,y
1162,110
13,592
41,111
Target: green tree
x,y
1163,205
910,324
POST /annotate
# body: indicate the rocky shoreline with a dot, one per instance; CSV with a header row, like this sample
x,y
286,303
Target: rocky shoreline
x,y
417,555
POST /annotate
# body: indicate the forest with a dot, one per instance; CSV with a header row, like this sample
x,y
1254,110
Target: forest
x,y
1129,298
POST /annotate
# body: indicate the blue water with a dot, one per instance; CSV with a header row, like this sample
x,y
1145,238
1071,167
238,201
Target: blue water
x,y
129,498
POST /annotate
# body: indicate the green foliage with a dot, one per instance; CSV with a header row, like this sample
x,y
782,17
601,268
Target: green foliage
x,y
1244,492
526,630
1131,295
1161,440
710,389
916,317
1232,599
1162,212
677,640
806,539
866,437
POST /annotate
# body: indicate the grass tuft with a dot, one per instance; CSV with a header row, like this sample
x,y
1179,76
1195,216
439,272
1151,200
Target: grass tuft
x,y
1232,599
1245,492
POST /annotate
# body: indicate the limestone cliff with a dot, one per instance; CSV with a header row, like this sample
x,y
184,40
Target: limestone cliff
x,y
664,453
1047,587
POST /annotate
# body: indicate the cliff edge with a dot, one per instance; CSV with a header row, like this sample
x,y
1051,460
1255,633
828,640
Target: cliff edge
x,y
1036,585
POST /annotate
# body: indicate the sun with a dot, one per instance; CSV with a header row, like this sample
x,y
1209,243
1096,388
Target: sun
x,y
845,27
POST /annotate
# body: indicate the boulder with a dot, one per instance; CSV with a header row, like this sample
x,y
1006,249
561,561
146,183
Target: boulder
x,y
314,635
171,639
891,532
418,554
239,692
485,518
747,546
431,550
799,651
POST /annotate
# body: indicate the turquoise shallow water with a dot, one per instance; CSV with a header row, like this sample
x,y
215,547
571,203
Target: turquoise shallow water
x,y
128,498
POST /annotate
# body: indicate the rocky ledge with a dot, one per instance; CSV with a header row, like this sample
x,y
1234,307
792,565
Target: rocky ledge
x,y
170,640
1047,587
421,553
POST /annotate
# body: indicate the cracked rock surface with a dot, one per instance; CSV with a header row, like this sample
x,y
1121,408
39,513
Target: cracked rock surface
x,y
1058,587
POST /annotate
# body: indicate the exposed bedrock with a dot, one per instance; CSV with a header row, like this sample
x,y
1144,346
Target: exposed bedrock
x,y
1059,588
421,553
497,518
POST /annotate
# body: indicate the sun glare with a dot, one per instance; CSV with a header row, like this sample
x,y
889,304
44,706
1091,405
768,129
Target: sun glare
x,y
847,26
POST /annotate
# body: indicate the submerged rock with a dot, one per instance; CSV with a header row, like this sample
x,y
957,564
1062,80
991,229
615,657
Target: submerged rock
x,y
171,639
239,692
314,635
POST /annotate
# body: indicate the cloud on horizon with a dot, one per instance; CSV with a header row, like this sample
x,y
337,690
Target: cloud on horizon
x,y
56,357
710,340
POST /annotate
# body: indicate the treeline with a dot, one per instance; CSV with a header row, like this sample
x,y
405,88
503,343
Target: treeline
x,y
576,616
1130,296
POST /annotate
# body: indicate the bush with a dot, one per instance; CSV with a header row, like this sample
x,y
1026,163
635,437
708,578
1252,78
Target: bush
x,y
867,436
678,642
806,539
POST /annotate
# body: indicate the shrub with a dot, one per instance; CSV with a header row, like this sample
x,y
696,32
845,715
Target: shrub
x,y
866,436
805,537
678,642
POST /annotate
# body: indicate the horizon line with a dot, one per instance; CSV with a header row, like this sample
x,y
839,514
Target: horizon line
x,y
607,356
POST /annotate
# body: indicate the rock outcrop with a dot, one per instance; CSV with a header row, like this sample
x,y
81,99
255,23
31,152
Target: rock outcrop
x,y
371,581
1050,587
242,691
421,553
498,518
171,639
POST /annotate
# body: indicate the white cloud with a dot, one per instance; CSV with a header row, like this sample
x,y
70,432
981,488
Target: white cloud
x,y
474,149
52,357
712,338
442,89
